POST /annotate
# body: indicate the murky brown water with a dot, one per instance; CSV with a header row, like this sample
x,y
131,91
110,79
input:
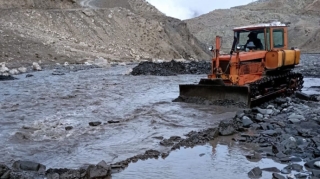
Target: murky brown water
x,y
35,111
311,85
222,158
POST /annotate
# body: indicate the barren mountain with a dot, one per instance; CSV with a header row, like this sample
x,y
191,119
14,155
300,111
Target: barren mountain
x,y
304,30
58,31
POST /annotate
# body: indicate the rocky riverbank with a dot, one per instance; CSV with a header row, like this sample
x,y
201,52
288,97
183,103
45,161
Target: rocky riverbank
x,y
285,129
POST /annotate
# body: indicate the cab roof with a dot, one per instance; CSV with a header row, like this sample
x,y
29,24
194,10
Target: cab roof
x,y
253,26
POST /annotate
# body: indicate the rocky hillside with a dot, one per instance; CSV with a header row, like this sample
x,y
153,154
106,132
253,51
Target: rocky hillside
x,y
75,31
304,31
37,4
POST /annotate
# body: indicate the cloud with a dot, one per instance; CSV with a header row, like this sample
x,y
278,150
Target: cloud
x,y
186,9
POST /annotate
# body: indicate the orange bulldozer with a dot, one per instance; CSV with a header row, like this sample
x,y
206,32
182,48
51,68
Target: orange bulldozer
x,y
258,68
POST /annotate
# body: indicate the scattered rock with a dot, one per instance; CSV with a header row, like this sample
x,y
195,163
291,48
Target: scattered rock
x,y
68,128
246,121
285,171
58,73
270,132
13,72
301,175
271,169
28,166
22,69
255,173
6,77
317,164
226,128
277,176
36,66
113,121
98,171
97,123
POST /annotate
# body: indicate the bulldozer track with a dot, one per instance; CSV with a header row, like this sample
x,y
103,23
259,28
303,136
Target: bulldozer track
x,y
273,85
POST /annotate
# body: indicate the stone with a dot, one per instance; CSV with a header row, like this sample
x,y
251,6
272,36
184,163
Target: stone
x,y
53,176
3,169
285,159
98,172
290,176
264,126
13,72
29,75
281,155
103,164
3,68
315,173
301,175
296,159
6,175
246,121
289,143
294,120
68,128
270,106
317,164
277,176
265,111
28,166
97,123
296,167
229,130
101,62
255,173
269,132
280,100
259,117
296,117
254,156
58,73
285,171
202,154
302,95
240,114
271,169
36,66
226,128
22,69
113,121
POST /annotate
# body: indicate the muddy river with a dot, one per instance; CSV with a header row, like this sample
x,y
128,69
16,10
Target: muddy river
x,y
36,111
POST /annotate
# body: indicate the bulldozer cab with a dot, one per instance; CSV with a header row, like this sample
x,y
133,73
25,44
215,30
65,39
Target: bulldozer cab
x,y
263,37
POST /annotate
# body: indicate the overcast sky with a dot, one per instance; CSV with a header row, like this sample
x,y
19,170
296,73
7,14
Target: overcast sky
x,y
186,9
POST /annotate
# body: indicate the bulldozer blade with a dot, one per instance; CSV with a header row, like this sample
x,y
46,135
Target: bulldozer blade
x,y
237,94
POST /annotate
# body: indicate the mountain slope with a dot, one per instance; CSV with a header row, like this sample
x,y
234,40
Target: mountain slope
x,y
117,30
303,31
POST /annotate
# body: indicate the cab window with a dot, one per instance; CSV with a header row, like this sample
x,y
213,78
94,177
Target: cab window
x,y
243,37
278,38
